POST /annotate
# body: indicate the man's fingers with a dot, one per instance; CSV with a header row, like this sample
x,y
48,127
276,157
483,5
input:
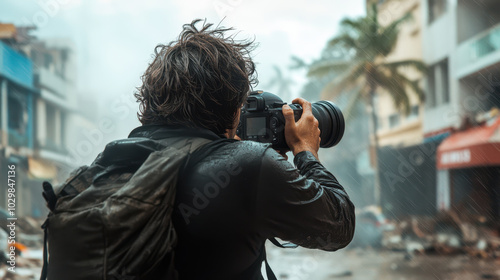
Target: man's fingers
x,y
288,114
305,134
306,105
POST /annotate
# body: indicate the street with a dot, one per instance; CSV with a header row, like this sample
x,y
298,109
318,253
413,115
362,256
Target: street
x,y
353,264
370,264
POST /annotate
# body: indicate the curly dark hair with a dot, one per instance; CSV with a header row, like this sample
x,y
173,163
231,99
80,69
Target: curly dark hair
x,y
199,80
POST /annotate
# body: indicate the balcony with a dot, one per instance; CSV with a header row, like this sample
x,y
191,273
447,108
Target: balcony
x,y
53,82
15,66
18,140
51,146
479,52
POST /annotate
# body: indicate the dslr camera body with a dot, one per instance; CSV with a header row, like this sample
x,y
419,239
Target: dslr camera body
x,y
262,120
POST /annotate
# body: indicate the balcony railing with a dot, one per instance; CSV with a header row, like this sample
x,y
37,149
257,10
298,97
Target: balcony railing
x,y
479,46
52,146
15,66
18,140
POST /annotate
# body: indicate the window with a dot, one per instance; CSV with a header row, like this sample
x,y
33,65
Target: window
x,y
63,128
393,120
436,9
413,113
430,99
445,84
381,122
51,124
438,92
48,60
15,113
17,116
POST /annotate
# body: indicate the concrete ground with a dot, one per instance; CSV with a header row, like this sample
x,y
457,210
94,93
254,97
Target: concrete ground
x,y
355,264
369,264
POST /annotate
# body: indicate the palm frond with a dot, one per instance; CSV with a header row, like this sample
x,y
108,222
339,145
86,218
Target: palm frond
x,y
388,35
394,67
323,68
344,82
411,63
354,98
343,40
395,88
279,74
336,87
353,24
413,85
297,63
394,26
372,18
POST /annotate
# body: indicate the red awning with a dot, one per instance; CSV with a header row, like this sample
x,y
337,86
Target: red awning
x,y
477,146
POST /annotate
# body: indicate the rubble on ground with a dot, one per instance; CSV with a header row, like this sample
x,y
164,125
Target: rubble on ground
x,y
447,233
28,248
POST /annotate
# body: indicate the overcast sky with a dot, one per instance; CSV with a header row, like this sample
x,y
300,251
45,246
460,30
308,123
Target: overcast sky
x,y
114,39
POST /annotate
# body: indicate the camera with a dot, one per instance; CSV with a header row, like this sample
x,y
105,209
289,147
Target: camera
x,y
262,120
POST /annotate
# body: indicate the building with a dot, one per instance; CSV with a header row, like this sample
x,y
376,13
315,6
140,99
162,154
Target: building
x,y
462,47
41,122
404,162
460,42
57,102
17,110
394,127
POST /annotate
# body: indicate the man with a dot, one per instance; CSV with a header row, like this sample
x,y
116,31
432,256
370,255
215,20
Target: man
x,y
239,193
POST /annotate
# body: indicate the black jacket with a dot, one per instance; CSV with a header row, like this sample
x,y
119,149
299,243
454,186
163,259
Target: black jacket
x,y
234,196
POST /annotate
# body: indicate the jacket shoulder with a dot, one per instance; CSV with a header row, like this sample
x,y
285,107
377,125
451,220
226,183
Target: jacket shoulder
x,y
243,153
248,148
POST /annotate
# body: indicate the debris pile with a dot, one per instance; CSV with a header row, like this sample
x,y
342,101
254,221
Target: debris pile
x,y
25,255
447,233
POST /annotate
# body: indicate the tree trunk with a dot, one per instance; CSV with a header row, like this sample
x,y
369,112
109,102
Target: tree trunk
x,y
374,120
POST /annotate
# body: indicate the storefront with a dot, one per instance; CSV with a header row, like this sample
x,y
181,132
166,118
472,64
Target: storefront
x,y
468,179
407,180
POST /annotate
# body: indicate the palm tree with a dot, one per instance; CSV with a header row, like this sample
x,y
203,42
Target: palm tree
x,y
281,83
357,56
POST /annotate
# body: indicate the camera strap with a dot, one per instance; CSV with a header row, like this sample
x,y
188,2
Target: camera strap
x,y
284,245
269,271
256,267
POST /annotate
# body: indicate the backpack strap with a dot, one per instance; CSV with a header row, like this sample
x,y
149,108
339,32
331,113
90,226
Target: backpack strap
x,y
49,195
51,198
43,275
201,149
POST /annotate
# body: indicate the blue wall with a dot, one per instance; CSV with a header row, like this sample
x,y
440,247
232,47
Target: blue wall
x,y
15,66
18,70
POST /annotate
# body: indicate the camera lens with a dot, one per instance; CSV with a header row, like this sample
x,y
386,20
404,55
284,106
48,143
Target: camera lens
x,y
331,122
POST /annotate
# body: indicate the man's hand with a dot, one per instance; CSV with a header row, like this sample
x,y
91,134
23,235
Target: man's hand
x,y
303,135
